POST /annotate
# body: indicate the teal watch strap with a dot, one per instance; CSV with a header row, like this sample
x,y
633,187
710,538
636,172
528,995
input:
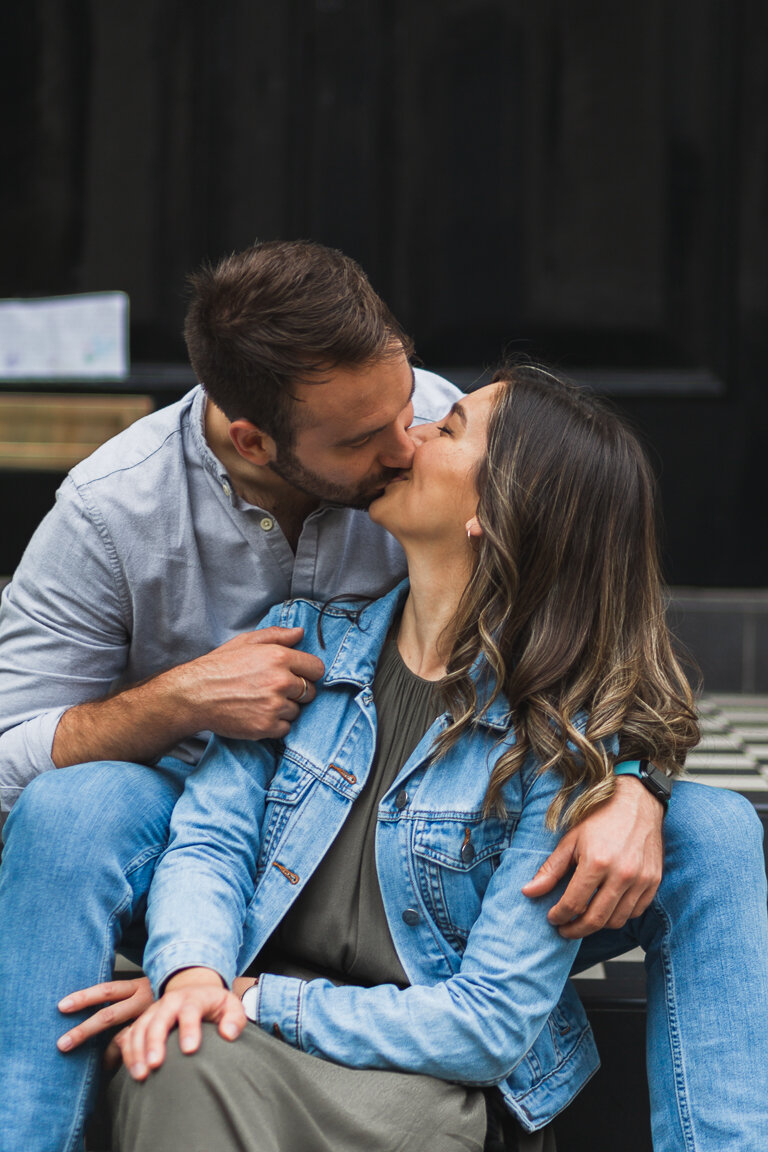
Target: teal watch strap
x,y
628,768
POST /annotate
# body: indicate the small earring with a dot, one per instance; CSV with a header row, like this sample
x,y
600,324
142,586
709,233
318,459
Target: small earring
x,y
469,534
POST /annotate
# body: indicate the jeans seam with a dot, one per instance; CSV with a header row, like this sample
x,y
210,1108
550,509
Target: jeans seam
x,y
673,1029
77,1132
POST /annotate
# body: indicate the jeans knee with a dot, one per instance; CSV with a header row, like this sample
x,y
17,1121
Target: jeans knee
x,y
94,812
712,831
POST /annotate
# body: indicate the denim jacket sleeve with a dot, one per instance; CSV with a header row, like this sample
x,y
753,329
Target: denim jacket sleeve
x,y
63,638
205,878
476,1025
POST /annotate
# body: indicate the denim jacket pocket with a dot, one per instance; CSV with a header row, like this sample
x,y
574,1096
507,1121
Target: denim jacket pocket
x,y
289,788
454,859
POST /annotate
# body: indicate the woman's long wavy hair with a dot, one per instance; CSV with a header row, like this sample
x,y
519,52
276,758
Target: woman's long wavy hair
x,y
565,600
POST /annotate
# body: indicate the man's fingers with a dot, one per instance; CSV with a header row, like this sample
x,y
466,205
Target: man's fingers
x,y
113,1057
129,998
630,905
99,993
552,870
304,664
277,635
596,916
99,1022
578,896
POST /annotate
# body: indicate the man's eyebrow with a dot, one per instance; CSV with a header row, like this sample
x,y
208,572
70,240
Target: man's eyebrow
x,y
375,431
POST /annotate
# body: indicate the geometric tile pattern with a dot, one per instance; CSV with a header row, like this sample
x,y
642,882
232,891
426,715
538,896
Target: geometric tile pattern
x,y
733,752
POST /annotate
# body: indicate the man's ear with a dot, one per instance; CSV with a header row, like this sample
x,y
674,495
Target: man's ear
x,y
251,443
474,530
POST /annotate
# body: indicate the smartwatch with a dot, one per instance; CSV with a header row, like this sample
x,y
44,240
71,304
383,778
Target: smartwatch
x,y
656,781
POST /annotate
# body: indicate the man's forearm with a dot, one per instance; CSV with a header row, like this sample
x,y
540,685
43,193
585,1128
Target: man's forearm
x,y
139,724
249,688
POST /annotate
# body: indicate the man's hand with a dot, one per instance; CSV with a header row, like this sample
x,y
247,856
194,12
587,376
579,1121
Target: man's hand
x,y
190,997
249,688
618,854
125,1000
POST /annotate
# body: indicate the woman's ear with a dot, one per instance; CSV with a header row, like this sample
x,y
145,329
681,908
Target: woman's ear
x,y
474,530
251,443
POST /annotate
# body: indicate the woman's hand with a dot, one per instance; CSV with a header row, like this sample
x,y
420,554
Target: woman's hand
x,y
126,999
191,996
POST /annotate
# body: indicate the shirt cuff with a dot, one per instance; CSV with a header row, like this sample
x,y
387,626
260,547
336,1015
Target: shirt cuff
x,y
277,1007
186,954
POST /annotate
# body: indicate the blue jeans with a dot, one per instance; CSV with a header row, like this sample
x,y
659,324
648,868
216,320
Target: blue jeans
x,y
81,846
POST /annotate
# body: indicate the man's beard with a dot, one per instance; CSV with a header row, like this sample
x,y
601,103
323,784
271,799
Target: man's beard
x,y
289,468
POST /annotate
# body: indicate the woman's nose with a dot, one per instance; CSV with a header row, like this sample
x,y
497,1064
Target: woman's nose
x,y
421,432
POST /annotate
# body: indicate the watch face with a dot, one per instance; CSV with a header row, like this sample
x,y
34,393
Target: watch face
x,y
655,780
250,1001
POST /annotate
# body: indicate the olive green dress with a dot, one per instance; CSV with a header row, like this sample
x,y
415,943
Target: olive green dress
x,y
261,1095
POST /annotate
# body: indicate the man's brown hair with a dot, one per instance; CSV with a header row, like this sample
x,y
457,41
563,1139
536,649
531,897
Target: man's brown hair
x,y
281,312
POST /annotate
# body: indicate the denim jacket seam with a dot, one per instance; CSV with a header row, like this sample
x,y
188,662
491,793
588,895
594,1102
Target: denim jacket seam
x,y
584,1037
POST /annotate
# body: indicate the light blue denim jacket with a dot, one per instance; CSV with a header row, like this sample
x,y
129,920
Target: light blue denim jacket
x,y
489,1001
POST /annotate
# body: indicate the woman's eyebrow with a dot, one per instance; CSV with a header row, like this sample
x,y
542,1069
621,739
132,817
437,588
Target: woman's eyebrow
x,y
457,410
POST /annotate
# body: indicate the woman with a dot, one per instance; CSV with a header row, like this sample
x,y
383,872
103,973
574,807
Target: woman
x,y
371,864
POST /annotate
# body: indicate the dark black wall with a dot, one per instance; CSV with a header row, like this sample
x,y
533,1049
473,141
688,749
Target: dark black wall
x,y
586,182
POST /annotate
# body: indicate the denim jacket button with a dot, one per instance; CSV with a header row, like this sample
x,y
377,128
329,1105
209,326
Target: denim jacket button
x,y
468,852
411,917
401,800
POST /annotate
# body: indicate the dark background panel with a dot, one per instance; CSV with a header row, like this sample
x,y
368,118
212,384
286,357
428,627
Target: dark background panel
x,y
585,183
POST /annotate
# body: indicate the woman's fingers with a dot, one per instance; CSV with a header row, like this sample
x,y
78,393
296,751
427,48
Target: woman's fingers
x,y
233,1018
129,999
190,1031
144,1044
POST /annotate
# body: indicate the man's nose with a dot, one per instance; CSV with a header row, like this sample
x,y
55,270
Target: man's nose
x,y
398,452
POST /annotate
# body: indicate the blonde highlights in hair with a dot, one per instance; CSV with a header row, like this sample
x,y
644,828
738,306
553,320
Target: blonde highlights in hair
x,y
565,600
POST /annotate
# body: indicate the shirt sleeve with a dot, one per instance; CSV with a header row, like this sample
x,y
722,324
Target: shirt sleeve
x,y
473,1027
64,636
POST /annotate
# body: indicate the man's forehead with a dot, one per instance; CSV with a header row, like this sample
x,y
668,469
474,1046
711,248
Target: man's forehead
x,y
351,402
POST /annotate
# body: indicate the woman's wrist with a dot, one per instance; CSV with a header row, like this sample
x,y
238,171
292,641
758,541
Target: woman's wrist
x,y
187,977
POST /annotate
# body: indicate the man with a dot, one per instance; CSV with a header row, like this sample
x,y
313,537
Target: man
x,y
127,634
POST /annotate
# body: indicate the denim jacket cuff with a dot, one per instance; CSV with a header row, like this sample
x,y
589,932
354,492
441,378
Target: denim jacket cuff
x,y
187,954
279,1007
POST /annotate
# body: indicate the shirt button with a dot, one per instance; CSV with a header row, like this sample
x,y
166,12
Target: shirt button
x,y
468,852
401,800
411,917
267,523
227,489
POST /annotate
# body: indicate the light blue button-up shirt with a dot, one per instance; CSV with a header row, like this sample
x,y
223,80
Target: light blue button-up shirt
x,y
149,559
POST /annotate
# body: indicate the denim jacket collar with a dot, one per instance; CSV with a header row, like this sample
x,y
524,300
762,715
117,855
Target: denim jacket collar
x,y
356,657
